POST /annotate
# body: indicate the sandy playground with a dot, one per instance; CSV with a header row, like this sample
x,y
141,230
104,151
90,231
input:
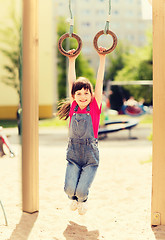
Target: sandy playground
x,y
119,199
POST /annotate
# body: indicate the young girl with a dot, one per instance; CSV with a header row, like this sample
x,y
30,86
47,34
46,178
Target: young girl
x,y
84,111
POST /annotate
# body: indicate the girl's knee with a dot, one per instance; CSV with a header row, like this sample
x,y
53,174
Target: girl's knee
x,y
69,191
82,194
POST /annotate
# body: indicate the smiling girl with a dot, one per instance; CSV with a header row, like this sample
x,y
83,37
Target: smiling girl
x,y
84,109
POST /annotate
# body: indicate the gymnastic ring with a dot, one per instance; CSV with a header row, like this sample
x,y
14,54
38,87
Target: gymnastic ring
x,y
65,53
109,49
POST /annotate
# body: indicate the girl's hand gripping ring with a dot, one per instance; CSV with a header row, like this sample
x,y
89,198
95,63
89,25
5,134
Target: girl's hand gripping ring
x,y
65,53
109,49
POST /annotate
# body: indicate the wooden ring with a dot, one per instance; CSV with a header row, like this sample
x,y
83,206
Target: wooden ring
x,y
62,38
109,49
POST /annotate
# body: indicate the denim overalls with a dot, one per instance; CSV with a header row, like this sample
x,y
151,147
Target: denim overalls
x,y
82,156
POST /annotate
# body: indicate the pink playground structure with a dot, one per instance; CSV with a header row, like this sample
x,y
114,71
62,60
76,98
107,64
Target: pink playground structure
x,y
5,142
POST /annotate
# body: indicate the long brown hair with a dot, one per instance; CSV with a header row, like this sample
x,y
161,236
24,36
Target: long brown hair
x,y
64,105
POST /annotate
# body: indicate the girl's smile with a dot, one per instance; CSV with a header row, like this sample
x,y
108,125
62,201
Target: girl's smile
x,y
83,97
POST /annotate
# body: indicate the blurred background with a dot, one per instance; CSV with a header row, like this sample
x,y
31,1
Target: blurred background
x,y
131,21
125,167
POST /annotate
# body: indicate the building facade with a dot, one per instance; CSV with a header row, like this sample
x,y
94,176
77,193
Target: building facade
x,y
9,99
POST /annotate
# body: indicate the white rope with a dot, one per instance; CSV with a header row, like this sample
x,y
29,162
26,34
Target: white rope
x,y
71,20
108,19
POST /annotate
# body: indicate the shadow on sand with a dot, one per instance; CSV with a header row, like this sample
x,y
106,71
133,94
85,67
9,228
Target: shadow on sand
x,y
24,227
77,232
159,232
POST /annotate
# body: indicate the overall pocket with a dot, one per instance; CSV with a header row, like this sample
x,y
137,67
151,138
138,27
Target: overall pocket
x,y
92,154
79,127
70,153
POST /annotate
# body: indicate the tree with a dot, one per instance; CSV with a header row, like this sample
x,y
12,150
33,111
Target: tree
x,y
82,65
138,66
10,47
130,63
115,61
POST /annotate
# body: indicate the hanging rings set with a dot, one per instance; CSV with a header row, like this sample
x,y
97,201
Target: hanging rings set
x,y
95,40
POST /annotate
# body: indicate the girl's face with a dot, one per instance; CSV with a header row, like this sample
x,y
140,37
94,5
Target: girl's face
x,y
83,97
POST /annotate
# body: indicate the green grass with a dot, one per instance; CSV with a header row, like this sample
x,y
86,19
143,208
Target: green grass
x,y
53,122
146,119
146,161
8,123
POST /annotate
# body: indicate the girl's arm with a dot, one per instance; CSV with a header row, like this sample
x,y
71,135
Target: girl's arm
x,y
71,72
100,78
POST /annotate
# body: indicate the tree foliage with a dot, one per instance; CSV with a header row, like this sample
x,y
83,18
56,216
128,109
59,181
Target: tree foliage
x,y
115,61
131,63
138,66
10,48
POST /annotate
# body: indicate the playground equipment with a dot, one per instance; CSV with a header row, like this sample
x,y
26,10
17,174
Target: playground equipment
x,y
131,107
30,119
95,40
116,126
108,126
30,149
5,142
158,163
106,31
70,34
134,111
3,210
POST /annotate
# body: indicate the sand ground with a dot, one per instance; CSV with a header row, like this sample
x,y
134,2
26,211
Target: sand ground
x,y
119,199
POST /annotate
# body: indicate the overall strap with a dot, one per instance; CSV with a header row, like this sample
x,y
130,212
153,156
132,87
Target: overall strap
x,y
88,108
76,108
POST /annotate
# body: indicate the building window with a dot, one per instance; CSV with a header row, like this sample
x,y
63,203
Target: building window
x,y
100,12
115,12
129,13
86,24
86,50
141,38
129,25
100,25
86,12
130,37
114,25
86,38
